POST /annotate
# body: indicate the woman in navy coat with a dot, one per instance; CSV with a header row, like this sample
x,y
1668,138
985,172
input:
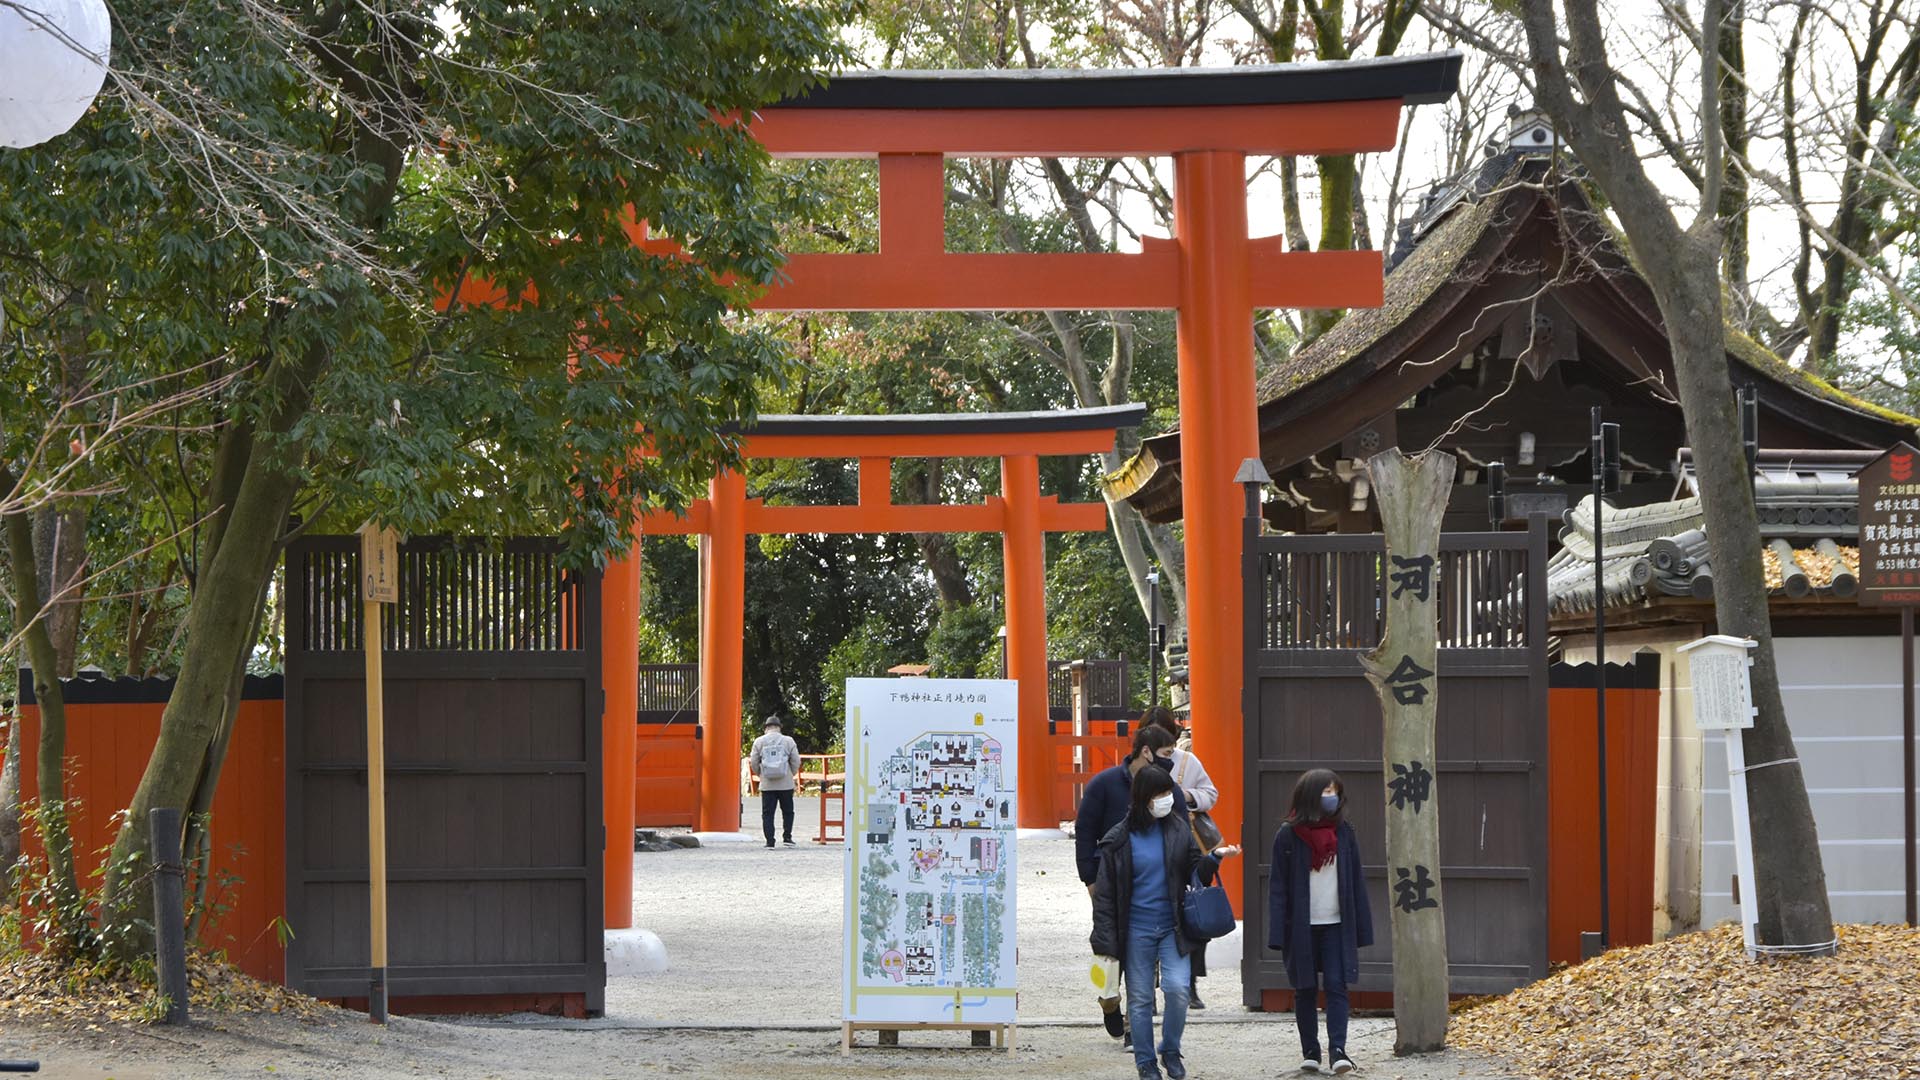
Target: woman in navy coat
x,y
1317,913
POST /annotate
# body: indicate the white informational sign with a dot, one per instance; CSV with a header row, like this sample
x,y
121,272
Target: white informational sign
x,y
930,851
1722,682
1720,669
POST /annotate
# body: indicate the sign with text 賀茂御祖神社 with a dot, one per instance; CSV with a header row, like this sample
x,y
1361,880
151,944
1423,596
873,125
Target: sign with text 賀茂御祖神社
x,y
1890,528
931,825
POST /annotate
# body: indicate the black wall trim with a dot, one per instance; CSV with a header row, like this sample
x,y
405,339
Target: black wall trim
x,y
1642,674
1011,423
85,690
1416,80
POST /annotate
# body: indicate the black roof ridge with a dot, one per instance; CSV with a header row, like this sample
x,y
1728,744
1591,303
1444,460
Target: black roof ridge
x,y
1096,418
1424,79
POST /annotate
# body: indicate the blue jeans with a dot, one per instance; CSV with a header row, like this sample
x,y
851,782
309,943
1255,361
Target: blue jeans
x,y
1329,959
1146,947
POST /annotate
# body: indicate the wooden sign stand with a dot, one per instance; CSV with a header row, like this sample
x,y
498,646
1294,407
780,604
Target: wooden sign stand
x,y
1003,1035
379,579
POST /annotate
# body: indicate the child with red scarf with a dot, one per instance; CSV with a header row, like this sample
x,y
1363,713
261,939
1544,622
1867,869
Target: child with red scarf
x,y
1317,913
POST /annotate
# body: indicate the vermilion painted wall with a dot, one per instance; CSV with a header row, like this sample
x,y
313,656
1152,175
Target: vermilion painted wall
x,y
1573,809
666,768
107,750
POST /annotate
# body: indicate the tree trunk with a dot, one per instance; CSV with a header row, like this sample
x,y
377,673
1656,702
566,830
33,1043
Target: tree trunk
x,y
60,557
1681,267
1733,126
937,551
199,818
1412,496
1792,885
220,634
55,836
10,805
1337,178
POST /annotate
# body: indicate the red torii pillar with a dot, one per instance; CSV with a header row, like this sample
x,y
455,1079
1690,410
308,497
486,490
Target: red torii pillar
x,y
1213,332
1024,566
723,628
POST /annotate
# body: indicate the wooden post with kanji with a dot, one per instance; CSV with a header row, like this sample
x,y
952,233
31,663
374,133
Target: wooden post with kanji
x,y
1412,495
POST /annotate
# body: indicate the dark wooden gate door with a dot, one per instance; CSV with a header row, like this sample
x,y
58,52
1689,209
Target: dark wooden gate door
x,y
1314,606
493,705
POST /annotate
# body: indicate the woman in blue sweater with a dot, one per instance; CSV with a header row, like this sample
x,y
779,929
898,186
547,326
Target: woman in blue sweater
x,y
1145,864
1317,913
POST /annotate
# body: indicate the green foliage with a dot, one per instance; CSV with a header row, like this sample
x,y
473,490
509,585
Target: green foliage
x,y
307,241
866,653
49,918
962,643
1091,611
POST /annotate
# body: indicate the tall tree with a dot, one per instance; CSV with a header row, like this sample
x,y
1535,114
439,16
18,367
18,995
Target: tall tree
x,y
294,185
1579,87
1330,36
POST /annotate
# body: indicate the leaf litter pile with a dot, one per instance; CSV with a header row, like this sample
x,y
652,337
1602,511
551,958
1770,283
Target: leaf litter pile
x,y
1695,1008
35,988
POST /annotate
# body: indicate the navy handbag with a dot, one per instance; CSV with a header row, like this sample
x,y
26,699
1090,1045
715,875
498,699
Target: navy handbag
x,y
1205,911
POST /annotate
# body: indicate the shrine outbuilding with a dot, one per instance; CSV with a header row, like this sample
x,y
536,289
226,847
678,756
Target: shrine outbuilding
x,y
1511,308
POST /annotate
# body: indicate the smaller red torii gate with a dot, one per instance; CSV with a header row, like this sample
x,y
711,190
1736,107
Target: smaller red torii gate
x,y
1020,513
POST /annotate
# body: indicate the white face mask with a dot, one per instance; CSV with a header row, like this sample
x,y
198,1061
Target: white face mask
x,y
1162,805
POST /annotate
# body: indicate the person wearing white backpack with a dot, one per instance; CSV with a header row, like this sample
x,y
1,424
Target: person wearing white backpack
x,y
775,759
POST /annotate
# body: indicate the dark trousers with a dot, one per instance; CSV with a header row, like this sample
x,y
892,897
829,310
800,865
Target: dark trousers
x,y
1329,961
784,800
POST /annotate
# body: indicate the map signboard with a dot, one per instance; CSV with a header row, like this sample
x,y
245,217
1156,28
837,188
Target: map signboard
x,y
1890,528
930,851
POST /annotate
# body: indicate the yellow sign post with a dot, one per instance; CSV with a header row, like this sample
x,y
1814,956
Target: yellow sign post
x,y
379,584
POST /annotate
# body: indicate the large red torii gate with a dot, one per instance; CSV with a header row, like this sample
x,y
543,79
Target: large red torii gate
x,y
1211,273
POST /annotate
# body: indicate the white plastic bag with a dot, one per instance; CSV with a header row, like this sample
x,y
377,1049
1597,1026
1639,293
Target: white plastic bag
x,y
1105,976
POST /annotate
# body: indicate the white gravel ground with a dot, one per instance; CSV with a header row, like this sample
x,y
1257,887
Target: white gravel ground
x,y
348,1048
718,906
723,1012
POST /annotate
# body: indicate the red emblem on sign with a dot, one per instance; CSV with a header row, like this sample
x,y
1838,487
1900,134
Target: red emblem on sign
x,y
1900,466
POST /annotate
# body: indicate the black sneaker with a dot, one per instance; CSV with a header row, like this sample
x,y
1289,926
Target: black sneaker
x,y
789,842
1341,1063
1126,1039
1149,1071
1116,1024
769,845
1193,998
1176,1069
1310,1063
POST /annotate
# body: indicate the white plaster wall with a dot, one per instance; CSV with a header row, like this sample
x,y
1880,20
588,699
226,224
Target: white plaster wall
x,y
1843,701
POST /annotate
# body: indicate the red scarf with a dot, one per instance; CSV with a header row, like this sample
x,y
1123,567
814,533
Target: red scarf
x,y
1321,838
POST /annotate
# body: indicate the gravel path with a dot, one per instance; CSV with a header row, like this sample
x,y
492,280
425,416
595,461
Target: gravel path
x,y
716,907
348,1047
721,1013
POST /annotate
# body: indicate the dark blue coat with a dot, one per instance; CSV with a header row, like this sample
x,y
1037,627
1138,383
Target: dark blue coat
x,y
1104,803
1113,888
1288,926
